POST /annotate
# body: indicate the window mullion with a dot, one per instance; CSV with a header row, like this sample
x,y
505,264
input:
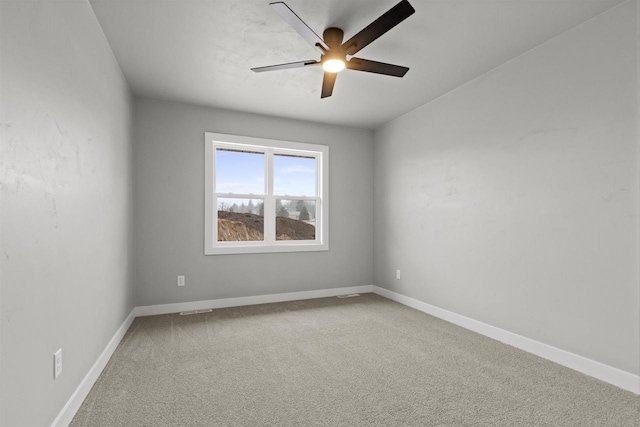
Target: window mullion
x,y
269,200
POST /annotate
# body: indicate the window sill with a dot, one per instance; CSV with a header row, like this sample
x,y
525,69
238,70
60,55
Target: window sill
x,y
263,249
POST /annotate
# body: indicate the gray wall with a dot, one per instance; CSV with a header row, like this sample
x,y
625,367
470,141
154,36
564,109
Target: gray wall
x,y
169,214
65,203
513,200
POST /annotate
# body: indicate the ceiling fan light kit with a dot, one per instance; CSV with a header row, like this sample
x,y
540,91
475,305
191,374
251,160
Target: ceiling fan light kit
x,y
334,53
333,65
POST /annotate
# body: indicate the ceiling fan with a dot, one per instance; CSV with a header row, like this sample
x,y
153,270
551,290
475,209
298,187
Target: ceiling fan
x,y
334,53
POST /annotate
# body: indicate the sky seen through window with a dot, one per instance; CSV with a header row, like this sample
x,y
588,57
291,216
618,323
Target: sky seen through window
x,y
244,173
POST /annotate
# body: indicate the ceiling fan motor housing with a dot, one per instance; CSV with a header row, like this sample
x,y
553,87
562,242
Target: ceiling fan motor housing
x,y
333,38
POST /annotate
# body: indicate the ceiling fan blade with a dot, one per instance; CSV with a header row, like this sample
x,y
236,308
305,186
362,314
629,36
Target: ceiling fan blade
x,y
328,81
300,26
298,64
387,21
369,66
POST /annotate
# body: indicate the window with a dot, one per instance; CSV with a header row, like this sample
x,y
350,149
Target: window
x,y
264,195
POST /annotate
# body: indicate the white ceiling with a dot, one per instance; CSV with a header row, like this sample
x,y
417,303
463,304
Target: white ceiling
x,y
200,52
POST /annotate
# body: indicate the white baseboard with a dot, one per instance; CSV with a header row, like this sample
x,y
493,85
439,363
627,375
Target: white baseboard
x,y
73,404
150,310
609,374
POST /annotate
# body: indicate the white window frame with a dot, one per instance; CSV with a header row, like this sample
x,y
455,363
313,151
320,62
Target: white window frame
x,y
212,246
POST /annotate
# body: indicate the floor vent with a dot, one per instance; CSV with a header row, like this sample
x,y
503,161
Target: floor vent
x,y
186,313
348,296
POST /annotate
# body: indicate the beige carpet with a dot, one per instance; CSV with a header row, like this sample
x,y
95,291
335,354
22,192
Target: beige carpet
x,y
363,361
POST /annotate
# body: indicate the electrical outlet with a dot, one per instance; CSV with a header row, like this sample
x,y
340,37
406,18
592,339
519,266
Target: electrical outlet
x,y
398,274
57,364
180,280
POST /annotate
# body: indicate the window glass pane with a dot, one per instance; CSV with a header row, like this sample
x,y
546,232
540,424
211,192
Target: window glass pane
x,y
294,175
240,220
240,172
295,219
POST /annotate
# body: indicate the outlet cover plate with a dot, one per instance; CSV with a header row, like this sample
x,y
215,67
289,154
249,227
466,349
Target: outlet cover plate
x,y
57,363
